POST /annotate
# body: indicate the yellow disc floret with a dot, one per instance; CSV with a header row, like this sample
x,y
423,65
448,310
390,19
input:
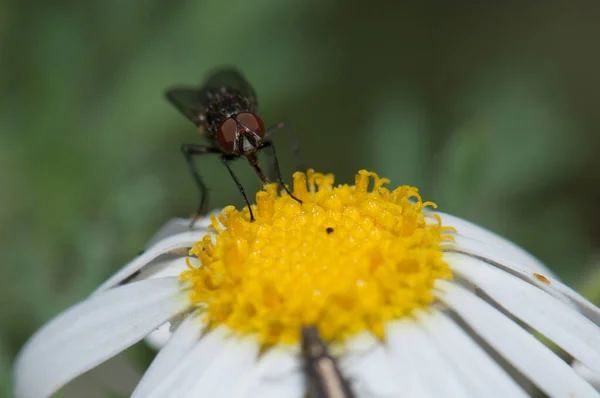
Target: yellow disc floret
x,y
347,259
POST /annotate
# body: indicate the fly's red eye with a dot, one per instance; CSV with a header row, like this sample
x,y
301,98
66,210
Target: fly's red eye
x,y
252,122
227,133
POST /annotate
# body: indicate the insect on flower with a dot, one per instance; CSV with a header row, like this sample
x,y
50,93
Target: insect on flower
x,y
225,109
323,376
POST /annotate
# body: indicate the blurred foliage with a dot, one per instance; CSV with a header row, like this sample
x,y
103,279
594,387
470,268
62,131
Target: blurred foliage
x,y
490,110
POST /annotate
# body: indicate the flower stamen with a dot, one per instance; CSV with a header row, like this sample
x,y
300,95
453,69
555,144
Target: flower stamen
x,y
347,259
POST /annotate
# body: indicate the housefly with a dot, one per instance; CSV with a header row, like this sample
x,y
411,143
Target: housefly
x,y
323,376
225,110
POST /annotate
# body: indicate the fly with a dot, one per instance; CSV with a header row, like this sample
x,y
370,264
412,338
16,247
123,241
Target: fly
x,y
324,378
225,110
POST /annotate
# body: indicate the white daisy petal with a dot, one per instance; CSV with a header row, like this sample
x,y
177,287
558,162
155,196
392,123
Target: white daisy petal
x,y
410,382
572,331
173,267
477,233
178,241
177,225
496,256
164,266
228,370
544,281
430,375
484,376
592,377
277,374
183,376
292,387
367,366
93,331
158,338
180,343
521,349
556,288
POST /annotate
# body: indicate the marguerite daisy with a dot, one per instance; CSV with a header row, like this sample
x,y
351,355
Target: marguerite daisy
x,y
412,302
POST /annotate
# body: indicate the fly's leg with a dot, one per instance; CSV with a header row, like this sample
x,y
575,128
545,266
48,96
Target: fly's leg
x,y
225,159
189,151
269,144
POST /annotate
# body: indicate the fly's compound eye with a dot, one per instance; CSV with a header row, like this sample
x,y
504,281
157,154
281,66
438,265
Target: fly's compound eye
x,y
251,122
227,134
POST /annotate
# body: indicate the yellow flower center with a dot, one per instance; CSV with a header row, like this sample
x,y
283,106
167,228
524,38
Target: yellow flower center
x,y
347,259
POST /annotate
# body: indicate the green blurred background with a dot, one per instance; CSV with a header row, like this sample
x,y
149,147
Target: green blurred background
x,y
492,111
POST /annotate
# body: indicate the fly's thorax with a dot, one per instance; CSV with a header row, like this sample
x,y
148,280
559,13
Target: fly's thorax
x,y
223,106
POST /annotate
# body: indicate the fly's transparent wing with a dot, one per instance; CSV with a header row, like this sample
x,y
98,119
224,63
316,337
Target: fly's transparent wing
x,y
189,101
193,102
231,80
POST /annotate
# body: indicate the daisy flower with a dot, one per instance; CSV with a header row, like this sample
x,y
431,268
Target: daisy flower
x,y
412,303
